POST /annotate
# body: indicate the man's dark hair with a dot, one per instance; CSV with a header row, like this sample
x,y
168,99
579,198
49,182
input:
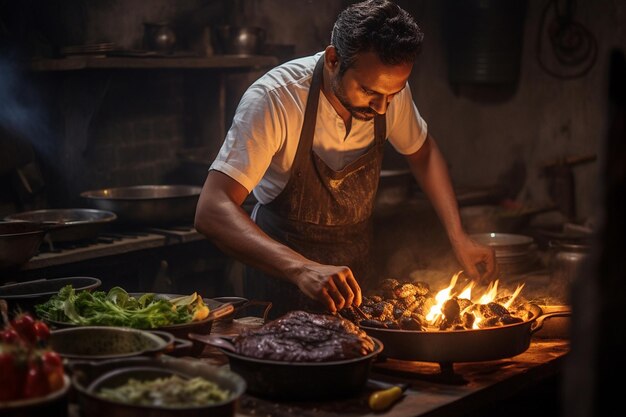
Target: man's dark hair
x,y
378,26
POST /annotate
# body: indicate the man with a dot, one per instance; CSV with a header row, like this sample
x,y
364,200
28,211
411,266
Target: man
x,y
313,161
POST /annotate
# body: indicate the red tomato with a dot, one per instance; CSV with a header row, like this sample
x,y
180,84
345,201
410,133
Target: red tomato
x,y
24,325
10,336
9,377
53,368
42,331
36,384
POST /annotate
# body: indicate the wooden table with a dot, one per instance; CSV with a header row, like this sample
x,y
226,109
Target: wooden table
x,y
473,387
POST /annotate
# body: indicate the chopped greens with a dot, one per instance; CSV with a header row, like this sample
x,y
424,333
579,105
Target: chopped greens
x,y
172,391
118,308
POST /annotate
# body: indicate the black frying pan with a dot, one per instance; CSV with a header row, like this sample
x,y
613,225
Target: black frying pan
x,y
449,346
296,380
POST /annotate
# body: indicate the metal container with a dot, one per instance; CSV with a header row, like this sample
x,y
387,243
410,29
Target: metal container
x,y
566,261
505,243
148,205
297,381
67,225
217,310
448,347
86,374
110,342
158,37
19,241
26,295
240,40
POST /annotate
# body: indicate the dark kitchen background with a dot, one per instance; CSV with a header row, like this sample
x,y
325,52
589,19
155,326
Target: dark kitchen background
x,y
516,93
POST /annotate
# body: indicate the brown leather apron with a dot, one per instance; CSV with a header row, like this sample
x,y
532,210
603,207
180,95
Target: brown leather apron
x,y
321,213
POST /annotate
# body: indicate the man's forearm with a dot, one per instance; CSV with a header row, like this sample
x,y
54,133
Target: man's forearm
x,y
230,228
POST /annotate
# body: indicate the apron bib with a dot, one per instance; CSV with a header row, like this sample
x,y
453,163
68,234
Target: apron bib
x,y
321,213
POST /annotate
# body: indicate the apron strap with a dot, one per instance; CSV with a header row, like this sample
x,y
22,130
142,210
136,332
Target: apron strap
x,y
305,143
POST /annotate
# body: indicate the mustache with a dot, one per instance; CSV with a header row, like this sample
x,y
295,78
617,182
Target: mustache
x,y
363,110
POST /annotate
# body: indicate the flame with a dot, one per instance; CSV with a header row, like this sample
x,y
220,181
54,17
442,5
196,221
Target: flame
x,y
488,296
467,291
514,296
441,297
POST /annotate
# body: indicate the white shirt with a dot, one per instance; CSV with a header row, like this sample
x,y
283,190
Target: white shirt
x,y
261,144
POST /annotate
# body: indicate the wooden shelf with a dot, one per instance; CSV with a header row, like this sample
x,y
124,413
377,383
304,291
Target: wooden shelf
x,y
82,62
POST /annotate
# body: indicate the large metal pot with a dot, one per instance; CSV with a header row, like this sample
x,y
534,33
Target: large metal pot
x,y
296,381
447,347
148,204
19,241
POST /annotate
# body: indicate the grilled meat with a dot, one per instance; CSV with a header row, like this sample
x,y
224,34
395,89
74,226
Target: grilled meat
x,y
299,336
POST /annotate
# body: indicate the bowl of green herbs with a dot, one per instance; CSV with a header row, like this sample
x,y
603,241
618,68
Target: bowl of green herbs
x,y
176,314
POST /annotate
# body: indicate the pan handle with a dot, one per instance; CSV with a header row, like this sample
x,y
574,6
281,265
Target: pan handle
x,y
213,340
241,303
538,324
174,344
221,311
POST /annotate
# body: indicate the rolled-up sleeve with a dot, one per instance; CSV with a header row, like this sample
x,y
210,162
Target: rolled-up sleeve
x,y
253,138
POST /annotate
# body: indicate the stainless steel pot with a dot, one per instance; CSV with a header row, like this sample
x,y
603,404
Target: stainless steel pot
x,y
148,204
565,263
447,347
296,381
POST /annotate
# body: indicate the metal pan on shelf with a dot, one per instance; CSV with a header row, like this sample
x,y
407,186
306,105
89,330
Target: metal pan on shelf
x,y
67,225
148,205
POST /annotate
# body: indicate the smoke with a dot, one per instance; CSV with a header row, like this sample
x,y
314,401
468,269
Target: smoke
x,y
20,104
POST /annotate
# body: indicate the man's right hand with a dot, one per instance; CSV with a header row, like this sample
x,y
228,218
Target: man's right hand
x,y
333,286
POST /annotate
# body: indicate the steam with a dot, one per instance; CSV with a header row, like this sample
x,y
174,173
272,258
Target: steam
x,y
23,114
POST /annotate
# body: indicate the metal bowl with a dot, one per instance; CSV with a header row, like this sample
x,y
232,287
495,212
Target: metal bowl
x,y
217,310
109,342
85,375
505,244
19,241
66,225
26,295
148,204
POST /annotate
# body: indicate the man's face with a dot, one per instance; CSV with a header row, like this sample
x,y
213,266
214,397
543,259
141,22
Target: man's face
x,y
368,86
